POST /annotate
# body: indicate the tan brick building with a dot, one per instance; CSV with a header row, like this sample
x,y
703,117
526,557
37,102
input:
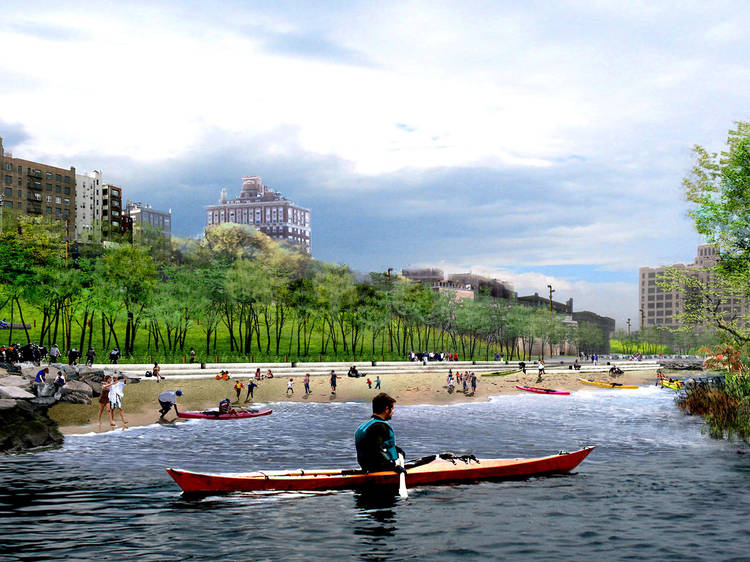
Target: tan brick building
x,y
659,307
34,188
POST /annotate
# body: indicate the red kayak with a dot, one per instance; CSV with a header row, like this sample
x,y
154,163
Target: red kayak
x,y
435,469
540,390
209,415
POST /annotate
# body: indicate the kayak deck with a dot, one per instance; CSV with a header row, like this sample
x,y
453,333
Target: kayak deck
x,y
241,414
541,390
604,384
438,471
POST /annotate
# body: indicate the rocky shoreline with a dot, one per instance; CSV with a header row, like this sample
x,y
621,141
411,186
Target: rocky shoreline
x,y
24,404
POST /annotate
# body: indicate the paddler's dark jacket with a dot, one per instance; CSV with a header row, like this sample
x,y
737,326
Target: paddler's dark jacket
x,y
376,445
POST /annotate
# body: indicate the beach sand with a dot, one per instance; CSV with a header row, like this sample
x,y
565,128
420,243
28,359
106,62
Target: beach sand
x,y
142,408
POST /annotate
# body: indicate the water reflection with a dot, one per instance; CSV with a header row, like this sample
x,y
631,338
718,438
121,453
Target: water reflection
x,y
376,522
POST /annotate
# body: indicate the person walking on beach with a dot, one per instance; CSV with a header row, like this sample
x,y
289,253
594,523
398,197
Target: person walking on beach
x,y
250,387
104,397
167,401
377,382
333,381
541,371
375,440
307,383
473,383
116,392
238,389
290,387
450,383
369,383
465,381
192,355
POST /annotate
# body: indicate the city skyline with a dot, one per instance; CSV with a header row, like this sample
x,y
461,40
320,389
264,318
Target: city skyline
x,y
535,145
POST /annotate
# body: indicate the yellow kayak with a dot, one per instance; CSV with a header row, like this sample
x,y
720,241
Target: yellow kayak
x,y
607,384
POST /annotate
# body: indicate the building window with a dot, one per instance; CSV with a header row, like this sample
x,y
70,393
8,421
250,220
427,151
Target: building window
x,y
49,187
67,179
9,180
48,175
67,190
9,167
49,210
58,211
67,201
57,200
8,204
9,191
58,189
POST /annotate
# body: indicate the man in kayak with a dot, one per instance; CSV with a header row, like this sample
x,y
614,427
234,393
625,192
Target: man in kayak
x,y
167,401
375,440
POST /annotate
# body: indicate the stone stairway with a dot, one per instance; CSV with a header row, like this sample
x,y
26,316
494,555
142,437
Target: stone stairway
x,y
368,368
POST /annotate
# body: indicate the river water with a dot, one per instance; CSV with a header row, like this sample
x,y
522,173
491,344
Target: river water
x,y
655,487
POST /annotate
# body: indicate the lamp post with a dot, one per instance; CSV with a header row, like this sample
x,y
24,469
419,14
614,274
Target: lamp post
x,y
1,212
551,290
628,327
642,320
388,309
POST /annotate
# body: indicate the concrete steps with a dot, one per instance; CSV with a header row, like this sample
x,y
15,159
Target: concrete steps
x,y
370,369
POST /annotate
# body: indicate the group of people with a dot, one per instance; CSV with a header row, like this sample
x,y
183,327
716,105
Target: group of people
x,y
113,390
260,376
432,356
464,379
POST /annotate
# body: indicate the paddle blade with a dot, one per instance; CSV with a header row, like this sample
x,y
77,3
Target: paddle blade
x,y
402,479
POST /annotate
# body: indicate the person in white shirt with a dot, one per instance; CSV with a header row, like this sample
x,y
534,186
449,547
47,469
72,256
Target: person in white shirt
x,y
116,392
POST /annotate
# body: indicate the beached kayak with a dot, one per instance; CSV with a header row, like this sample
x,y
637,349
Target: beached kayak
x,y
607,384
435,469
541,390
214,415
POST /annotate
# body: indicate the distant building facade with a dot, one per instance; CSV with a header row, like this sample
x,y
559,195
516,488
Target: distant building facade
x,y
146,220
660,307
88,206
540,302
34,188
424,275
266,210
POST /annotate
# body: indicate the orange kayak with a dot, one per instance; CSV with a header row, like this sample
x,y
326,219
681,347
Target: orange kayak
x,y
436,469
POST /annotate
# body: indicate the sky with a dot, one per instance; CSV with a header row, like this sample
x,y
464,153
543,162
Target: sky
x,y
540,143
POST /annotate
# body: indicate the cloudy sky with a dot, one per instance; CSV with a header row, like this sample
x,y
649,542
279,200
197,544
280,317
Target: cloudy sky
x,y
535,143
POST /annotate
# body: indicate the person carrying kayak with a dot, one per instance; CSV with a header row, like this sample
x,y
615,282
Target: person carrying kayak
x,y
168,400
375,440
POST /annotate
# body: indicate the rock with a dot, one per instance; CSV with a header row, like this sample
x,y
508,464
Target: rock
x,y
24,426
15,393
47,389
76,392
10,368
6,403
15,380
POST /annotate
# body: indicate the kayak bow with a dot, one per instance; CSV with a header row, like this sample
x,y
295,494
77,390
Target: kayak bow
x,y
443,469
607,384
541,390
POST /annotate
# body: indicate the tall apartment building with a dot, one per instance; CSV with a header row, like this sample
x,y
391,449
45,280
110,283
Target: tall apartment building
x,y
34,188
111,218
147,220
266,210
659,307
88,206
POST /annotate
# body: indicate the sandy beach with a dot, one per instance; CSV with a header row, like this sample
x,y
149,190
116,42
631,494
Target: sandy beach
x,y
141,407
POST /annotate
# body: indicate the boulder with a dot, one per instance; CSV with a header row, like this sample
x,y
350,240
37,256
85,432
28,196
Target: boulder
x,y
10,368
76,392
24,426
15,393
7,403
15,380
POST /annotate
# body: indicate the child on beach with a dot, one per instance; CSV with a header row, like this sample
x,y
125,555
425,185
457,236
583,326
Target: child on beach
x,y
307,383
377,382
369,383
238,386
290,387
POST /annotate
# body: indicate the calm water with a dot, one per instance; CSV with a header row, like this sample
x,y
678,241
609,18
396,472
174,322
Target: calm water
x,y
654,488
